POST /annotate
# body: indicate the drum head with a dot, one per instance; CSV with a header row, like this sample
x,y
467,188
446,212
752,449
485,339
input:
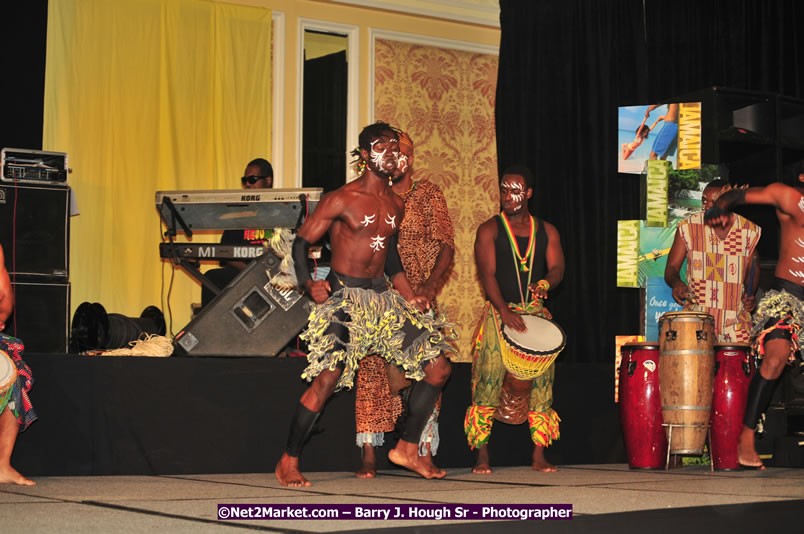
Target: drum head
x,y
648,345
686,316
745,347
8,371
542,336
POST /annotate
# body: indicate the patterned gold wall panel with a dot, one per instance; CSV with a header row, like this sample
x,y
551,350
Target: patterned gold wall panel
x,y
445,100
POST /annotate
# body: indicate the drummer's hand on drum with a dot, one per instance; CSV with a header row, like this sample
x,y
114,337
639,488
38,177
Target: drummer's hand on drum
x,y
538,291
512,320
749,302
680,292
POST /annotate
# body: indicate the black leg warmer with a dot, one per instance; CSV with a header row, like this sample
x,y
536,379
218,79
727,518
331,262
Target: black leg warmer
x,y
759,396
423,397
300,427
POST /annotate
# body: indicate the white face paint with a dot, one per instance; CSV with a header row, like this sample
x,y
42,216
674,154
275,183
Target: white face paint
x,y
390,220
801,204
517,191
377,243
800,242
377,157
367,220
403,163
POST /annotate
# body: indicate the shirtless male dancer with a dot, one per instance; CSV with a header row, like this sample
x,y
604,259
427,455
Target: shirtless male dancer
x,y
356,313
780,313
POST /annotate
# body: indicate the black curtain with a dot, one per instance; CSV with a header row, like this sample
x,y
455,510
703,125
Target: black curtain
x,y
23,32
324,153
564,69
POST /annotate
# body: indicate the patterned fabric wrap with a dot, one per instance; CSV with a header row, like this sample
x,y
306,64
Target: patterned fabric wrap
x,y
716,270
477,425
425,229
19,404
488,375
376,409
375,323
544,427
786,311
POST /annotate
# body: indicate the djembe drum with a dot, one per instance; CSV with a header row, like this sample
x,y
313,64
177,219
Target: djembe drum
x,y
526,355
686,376
734,369
641,407
8,377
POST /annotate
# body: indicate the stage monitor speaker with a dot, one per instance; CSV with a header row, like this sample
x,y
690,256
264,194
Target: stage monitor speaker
x,y
791,123
34,230
745,116
249,318
41,316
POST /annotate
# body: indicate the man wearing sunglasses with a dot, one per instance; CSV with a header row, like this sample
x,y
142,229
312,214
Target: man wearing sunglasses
x,y
259,174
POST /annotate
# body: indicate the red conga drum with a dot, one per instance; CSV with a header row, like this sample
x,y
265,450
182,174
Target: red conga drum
x,y
734,370
641,406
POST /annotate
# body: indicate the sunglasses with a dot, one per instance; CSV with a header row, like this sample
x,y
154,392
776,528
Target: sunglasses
x,y
252,179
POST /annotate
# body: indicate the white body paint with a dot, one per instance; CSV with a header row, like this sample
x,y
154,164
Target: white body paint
x,y
801,203
367,220
797,274
377,243
391,220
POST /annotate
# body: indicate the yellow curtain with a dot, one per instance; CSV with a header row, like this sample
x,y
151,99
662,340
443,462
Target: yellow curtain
x,y
149,95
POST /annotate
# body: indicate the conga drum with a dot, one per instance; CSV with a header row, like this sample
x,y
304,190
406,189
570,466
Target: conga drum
x,y
686,376
8,377
734,369
641,406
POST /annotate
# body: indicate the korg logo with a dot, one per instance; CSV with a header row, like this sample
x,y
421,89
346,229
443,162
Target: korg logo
x,y
249,198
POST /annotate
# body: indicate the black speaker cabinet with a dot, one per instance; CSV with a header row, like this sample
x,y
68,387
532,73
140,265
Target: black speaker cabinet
x,y
41,316
34,230
249,318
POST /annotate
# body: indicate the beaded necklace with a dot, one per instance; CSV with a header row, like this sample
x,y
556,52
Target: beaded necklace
x,y
526,262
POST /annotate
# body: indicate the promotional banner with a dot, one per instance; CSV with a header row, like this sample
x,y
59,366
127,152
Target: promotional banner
x,y
668,132
658,301
628,253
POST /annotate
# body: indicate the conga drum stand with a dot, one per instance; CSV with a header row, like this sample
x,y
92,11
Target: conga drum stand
x,y
670,427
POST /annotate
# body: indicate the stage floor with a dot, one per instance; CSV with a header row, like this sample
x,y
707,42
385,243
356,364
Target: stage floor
x,y
604,498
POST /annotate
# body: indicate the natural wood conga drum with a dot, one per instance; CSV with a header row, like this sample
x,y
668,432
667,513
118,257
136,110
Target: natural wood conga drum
x,y
686,378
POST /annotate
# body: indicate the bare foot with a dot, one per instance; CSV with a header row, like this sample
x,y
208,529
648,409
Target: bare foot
x,y
288,474
407,455
482,466
746,453
368,469
539,462
9,475
427,459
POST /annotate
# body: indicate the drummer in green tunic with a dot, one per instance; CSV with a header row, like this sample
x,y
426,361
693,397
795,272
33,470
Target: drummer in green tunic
x,y
519,258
